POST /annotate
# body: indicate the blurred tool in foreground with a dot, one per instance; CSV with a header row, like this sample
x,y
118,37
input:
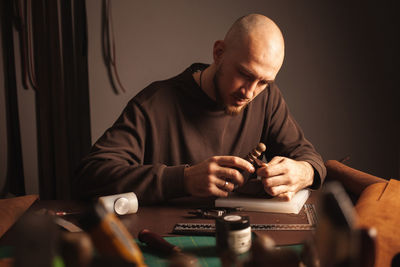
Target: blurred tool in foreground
x,y
110,237
338,240
177,258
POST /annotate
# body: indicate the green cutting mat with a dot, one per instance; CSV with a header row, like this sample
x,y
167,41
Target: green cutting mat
x,y
203,247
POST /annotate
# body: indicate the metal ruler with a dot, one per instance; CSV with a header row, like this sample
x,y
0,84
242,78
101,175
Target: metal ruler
x,y
209,228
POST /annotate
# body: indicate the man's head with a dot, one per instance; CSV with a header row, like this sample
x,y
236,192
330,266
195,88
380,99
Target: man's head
x,y
248,58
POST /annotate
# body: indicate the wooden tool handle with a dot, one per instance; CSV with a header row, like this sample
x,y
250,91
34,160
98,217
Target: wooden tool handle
x,y
156,242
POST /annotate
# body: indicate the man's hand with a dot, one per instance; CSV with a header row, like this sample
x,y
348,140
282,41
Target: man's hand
x,y
216,176
283,177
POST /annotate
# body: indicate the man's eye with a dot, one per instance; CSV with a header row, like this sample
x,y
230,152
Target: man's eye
x,y
262,83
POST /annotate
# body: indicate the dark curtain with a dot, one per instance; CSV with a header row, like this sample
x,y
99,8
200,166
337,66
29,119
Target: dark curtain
x,y
14,176
60,53
57,51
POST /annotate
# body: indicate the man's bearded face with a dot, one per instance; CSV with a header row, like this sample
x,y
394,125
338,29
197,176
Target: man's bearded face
x,y
233,102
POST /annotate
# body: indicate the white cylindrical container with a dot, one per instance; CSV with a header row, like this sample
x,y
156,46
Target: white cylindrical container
x,y
121,204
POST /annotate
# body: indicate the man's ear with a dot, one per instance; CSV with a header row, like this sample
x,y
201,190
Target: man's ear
x,y
218,51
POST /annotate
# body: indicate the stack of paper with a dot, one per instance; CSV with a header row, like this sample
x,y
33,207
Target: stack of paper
x,y
265,204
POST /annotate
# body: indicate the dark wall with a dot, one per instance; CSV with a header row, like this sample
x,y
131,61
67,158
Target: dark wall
x,y
337,76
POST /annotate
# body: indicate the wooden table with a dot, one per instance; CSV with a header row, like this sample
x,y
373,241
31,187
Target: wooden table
x,y
162,218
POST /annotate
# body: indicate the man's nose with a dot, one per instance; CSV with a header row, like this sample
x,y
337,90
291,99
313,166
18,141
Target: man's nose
x,y
250,89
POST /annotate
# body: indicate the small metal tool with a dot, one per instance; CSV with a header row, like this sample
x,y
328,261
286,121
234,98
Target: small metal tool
x,y
212,213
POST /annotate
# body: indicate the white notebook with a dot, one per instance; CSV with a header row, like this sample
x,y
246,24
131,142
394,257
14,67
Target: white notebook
x,y
265,204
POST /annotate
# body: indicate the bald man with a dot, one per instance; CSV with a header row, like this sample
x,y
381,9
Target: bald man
x,y
188,135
